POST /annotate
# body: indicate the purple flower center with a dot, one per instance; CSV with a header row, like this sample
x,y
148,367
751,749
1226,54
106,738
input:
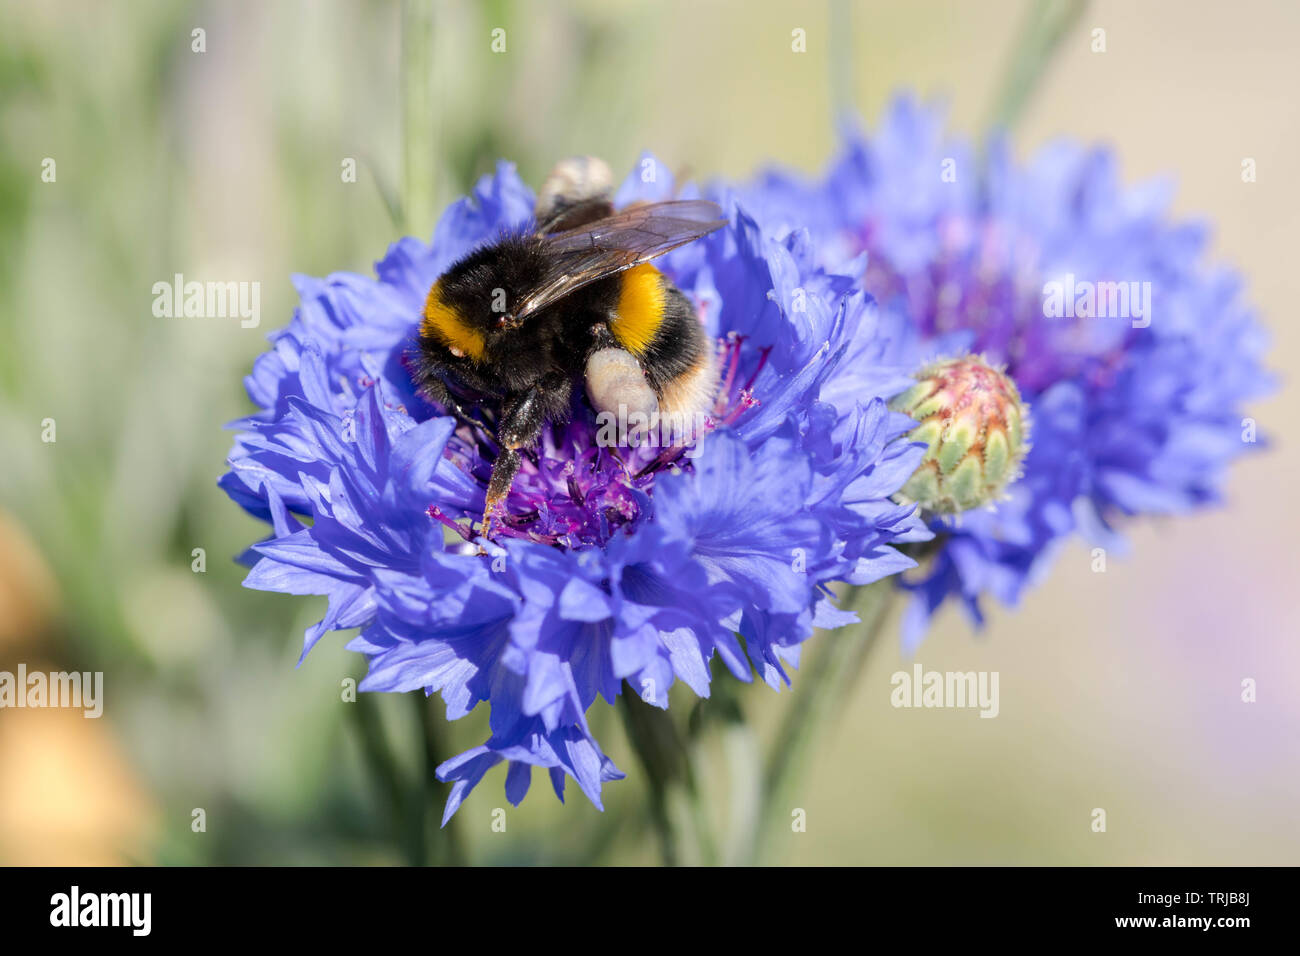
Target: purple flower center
x,y
986,278
579,487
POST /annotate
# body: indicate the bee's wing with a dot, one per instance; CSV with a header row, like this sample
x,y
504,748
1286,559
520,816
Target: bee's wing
x,y
627,238
567,216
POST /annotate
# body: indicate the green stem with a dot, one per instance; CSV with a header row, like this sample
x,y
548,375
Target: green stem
x,y
419,156
744,761
431,793
822,690
382,767
418,210
657,755
611,828
387,194
1045,25
676,807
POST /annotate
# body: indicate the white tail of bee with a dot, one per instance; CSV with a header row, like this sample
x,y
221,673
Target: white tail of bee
x,y
573,180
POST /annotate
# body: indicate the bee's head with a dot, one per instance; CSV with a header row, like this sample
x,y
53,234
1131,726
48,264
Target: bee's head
x,y
471,306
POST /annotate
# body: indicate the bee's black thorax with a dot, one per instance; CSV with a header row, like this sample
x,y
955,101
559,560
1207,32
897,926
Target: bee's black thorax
x,y
476,292
464,347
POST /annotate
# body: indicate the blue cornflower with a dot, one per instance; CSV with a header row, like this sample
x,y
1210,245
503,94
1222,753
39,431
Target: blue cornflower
x,y
1134,355
639,567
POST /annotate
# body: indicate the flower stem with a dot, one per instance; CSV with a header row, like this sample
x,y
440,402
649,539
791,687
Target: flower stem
x,y
822,691
412,804
380,762
449,849
676,807
417,207
743,758
419,156
1046,24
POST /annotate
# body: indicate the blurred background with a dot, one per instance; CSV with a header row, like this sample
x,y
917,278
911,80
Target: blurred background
x,y
1119,690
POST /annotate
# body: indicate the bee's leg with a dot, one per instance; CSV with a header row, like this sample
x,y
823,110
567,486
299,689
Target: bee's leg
x,y
504,470
436,389
601,338
522,418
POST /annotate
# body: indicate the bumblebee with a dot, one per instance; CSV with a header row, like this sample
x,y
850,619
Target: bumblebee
x,y
511,330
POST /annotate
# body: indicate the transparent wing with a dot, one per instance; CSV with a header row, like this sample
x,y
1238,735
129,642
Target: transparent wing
x,y
628,238
647,231
569,216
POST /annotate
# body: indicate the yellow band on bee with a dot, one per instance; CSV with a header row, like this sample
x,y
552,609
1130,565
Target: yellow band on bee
x,y
640,308
444,323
